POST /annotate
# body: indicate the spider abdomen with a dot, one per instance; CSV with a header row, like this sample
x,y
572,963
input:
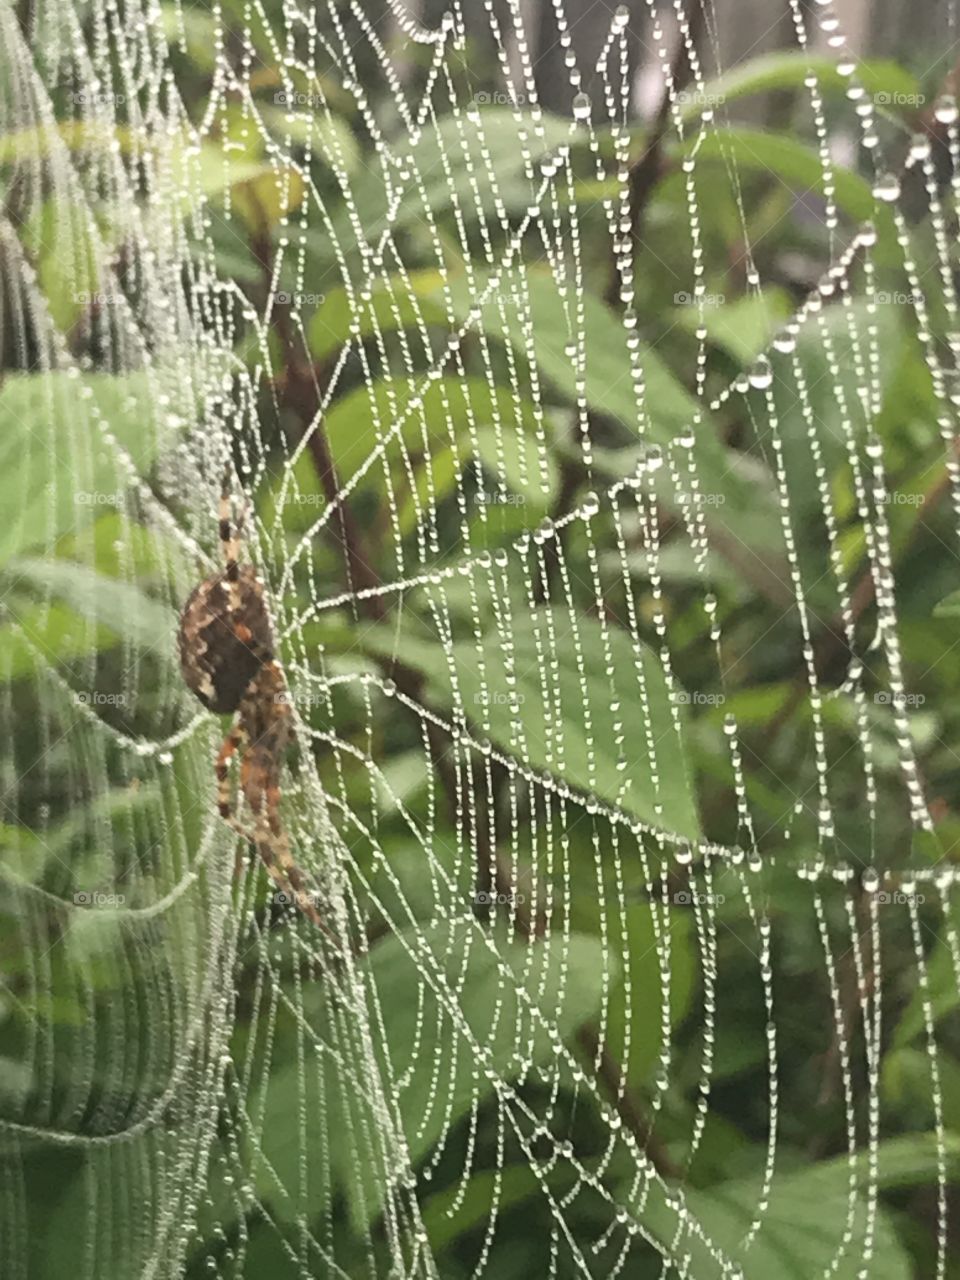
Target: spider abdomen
x,y
225,638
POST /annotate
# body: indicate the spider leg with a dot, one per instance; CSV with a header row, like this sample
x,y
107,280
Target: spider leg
x,y
234,741
231,530
271,842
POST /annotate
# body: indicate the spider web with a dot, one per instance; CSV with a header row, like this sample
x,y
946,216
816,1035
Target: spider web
x,y
475,497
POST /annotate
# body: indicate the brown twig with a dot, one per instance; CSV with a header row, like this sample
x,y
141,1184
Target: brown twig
x,y
299,390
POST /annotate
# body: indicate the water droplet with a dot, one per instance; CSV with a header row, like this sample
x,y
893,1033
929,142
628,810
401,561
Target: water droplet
x,y
761,375
867,236
887,188
945,109
581,107
874,446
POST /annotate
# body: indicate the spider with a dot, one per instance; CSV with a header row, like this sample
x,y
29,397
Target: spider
x,y
227,659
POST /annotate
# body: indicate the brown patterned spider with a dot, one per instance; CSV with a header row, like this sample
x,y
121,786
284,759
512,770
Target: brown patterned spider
x,y
227,659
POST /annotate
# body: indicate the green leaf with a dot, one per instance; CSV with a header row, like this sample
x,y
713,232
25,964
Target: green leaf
x,y
643,1010
515,1184
827,374
942,993
744,327
120,606
608,385
789,70
401,302
527,698
329,136
793,162
196,28
480,166
45,635
464,966
802,1227
949,606
740,512
450,407
67,261
57,469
